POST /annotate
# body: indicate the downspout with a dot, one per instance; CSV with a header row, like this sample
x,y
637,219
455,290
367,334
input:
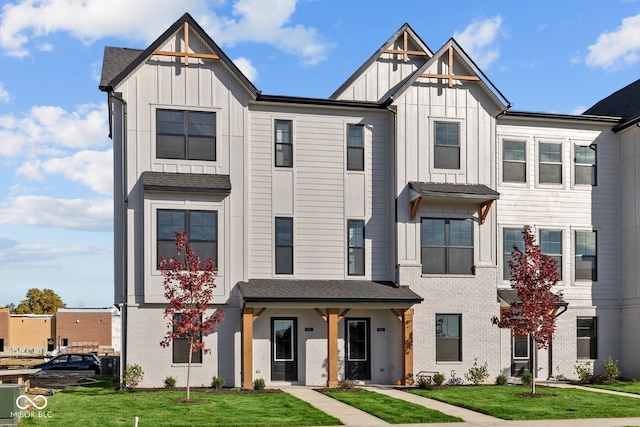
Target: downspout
x,y
387,106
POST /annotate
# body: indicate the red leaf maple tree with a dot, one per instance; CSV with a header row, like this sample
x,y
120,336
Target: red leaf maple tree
x,y
188,286
533,274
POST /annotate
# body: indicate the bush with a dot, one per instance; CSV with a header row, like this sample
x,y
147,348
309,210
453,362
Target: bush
x,y
258,384
132,375
477,374
345,384
438,378
170,383
501,380
610,371
454,380
527,379
217,382
585,374
424,382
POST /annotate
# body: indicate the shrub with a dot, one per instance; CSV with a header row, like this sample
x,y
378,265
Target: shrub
x,y
424,382
501,380
438,378
258,384
477,374
132,375
527,379
345,384
170,383
454,380
585,374
217,382
610,371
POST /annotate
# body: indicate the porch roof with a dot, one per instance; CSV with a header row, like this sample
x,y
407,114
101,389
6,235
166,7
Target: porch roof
x,y
325,291
466,191
510,296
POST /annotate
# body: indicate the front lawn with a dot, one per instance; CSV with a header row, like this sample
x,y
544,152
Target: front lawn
x,y
391,410
511,403
103,406
623,386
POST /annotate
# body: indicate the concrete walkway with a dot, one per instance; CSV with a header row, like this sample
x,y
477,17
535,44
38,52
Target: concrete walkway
x,y
353,417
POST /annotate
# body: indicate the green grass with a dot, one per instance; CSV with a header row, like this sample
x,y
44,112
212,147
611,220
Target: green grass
x,y
394,411
560,403
103,406
623,386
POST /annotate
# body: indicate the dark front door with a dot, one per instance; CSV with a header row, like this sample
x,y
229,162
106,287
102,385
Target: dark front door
x,y
520,355
358,350
284,350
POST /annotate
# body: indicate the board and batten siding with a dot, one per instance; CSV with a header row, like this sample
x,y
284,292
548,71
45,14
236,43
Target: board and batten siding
x,y
567,207
319,193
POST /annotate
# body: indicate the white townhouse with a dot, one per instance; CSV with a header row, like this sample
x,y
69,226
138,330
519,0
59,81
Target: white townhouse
x,y
365,235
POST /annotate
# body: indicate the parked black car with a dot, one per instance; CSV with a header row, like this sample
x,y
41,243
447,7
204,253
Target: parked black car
x,y
71,362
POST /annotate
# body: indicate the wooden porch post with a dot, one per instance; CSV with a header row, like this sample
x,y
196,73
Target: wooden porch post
x,y
407,347
332,345
247,347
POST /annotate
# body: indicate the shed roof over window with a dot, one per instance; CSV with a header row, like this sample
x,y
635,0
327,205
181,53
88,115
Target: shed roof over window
x,y
186,182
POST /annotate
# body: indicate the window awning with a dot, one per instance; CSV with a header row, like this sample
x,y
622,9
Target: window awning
x,y
186,182
508,297
470,192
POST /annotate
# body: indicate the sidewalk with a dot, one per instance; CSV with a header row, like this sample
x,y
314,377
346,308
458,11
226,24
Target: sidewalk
x,y
353,417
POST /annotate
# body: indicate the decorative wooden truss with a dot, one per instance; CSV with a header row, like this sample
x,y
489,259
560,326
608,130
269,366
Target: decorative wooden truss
x,y
405,52
450,76
186,54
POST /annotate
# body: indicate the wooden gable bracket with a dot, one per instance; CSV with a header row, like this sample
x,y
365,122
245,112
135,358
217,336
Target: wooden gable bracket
x,y
254,316
186,54
484,210
398,313
414,207
324,316
450,76
405,52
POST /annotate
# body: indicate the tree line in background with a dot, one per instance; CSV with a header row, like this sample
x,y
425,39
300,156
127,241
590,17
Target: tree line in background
x,y
38,301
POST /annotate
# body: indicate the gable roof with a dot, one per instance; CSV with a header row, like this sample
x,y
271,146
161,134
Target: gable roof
x,y
624,103
404,28
119,63
460,55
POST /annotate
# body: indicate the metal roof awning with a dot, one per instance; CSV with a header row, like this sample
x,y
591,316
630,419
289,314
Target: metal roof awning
x,y
479,193
186,182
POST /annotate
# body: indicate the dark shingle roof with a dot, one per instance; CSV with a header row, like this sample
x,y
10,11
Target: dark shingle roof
x,y
186,182
469,191
115,60
510,296
287,290
624,103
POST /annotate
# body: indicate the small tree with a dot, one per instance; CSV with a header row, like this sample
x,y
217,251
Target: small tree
x,y
533,274
188,286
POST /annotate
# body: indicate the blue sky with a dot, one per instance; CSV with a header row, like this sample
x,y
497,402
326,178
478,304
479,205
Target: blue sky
x,y
55,154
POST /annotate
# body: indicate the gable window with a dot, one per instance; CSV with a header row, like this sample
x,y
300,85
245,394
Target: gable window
x,y
355,147
586,255
447,246
284,143
448,338
187,135
585,164
356,247
550,163
284,245
181,348
514,165
201,227
587,333
446,149
551,244
512,237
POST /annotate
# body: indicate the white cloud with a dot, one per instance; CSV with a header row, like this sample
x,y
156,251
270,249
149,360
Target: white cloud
x,y
478,39
4,95
578,110
52,131
247,68
90,168
257,21
39,256
618,48
73,214
6,243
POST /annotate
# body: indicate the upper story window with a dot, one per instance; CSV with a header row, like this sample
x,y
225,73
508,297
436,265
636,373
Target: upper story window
x,y
585,164
446,150
284,143
550,163
551,245
586,255
201,227
355,147
447,246
284,245
356,247
514,161
512,237
187,135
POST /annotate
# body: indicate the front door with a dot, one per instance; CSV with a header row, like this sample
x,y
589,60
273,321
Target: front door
x,y
358,350
520,355
284,350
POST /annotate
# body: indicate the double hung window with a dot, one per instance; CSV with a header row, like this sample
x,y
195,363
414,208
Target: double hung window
x,y
356,247
283,143
447,246
446,150
284,245
448,337
187,135
201,228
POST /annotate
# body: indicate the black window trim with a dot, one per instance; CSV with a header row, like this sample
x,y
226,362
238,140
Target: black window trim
x,y
576,165
352,150
185,133
187,223
447,245
284,144
280,245
459,338
593,338
360,248
196,357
